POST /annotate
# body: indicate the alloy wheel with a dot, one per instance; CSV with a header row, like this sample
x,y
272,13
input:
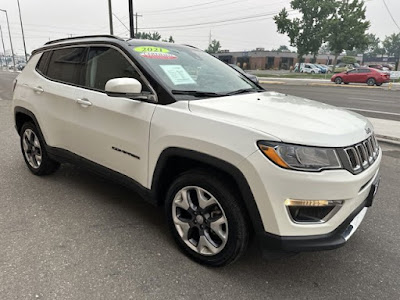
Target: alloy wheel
x,y
200,220
32,148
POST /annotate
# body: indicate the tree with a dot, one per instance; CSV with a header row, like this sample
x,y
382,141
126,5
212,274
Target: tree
x,y
374,44
148,36
307,32
282,48
324,49
347,27
214,47
392,46
349,59
170,40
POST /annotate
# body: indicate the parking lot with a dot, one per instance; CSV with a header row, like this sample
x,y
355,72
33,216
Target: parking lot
x,y
74,235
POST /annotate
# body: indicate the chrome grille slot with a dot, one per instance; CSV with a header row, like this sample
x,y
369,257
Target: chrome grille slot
x,y
353,158
370,151
362,155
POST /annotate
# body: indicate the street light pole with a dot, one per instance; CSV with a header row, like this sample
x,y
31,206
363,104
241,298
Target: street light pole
x,y
9,33
110,17
23,35
4,48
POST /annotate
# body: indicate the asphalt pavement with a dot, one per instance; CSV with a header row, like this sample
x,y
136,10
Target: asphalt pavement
x,y
74,235
6,80
374,103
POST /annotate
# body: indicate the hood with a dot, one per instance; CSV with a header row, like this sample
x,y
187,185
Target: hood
x,y
289,118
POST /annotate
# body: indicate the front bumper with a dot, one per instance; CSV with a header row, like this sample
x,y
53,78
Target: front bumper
x,y
273,243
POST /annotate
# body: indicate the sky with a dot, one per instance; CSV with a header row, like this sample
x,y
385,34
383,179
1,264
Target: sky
x,y
246,24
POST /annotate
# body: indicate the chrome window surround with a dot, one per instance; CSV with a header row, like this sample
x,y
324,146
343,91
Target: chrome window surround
x,y
87,45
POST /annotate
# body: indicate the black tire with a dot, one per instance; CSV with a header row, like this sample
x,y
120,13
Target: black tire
x,y
312,72
47,165
237,228
338,80
346,82
371,81
378,84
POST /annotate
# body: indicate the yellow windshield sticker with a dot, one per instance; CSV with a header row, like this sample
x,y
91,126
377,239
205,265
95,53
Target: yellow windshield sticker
x,y
151,49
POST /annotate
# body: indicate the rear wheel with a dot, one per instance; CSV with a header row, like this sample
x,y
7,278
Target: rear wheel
x,y
312,72
371,81
35,155
338,80
378,84
206,219
346,82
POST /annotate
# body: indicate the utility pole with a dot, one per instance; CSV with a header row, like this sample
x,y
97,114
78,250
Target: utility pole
x,y
110,17
23,35
136,16
4,48
131,22
9,34
209,38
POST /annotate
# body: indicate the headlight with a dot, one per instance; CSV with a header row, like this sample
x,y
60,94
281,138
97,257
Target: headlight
x,y
301,158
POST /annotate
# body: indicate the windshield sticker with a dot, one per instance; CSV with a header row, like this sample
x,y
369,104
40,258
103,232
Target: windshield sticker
x,y
158,55
142,49
177,74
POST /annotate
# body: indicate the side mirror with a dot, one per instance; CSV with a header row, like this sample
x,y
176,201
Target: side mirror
x,y
123,86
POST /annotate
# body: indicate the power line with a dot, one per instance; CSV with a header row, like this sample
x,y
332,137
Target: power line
x,y
215,22
183,7
120,21
388,10
189,8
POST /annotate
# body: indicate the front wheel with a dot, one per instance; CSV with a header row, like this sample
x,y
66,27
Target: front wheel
x,y
206,218
371,81
378,84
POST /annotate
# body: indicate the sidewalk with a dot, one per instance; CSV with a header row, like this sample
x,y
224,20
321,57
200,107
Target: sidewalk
x,y
387,130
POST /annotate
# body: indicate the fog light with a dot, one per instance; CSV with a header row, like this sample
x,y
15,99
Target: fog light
x,y
313,203
312,211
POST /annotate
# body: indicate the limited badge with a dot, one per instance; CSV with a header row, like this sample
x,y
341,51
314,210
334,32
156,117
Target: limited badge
x,y
158,55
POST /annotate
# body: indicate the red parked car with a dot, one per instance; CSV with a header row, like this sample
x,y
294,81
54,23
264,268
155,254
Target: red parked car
x,y
362,75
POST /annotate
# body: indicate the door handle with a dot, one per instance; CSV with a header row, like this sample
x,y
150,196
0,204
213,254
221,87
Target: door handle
x,y
38,89
84,102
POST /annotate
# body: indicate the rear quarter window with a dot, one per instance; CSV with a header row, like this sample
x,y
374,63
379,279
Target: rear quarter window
x,y
41,66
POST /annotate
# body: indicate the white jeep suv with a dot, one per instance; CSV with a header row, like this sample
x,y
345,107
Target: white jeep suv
x,y
227,159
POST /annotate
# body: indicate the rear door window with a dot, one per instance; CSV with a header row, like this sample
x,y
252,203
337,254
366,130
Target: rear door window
x,y
66,64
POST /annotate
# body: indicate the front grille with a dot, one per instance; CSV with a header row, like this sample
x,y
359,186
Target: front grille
x,y
362,155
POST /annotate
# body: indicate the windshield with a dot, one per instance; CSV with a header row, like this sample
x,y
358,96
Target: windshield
x,y
190,71
237,68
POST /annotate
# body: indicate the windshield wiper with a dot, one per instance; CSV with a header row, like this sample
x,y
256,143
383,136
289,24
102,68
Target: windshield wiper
x,y
197,93
243,91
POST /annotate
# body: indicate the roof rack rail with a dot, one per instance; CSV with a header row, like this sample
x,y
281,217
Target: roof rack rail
x,y
187,45
84,36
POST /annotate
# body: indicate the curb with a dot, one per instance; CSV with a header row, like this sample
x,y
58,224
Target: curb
x,y
388,139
